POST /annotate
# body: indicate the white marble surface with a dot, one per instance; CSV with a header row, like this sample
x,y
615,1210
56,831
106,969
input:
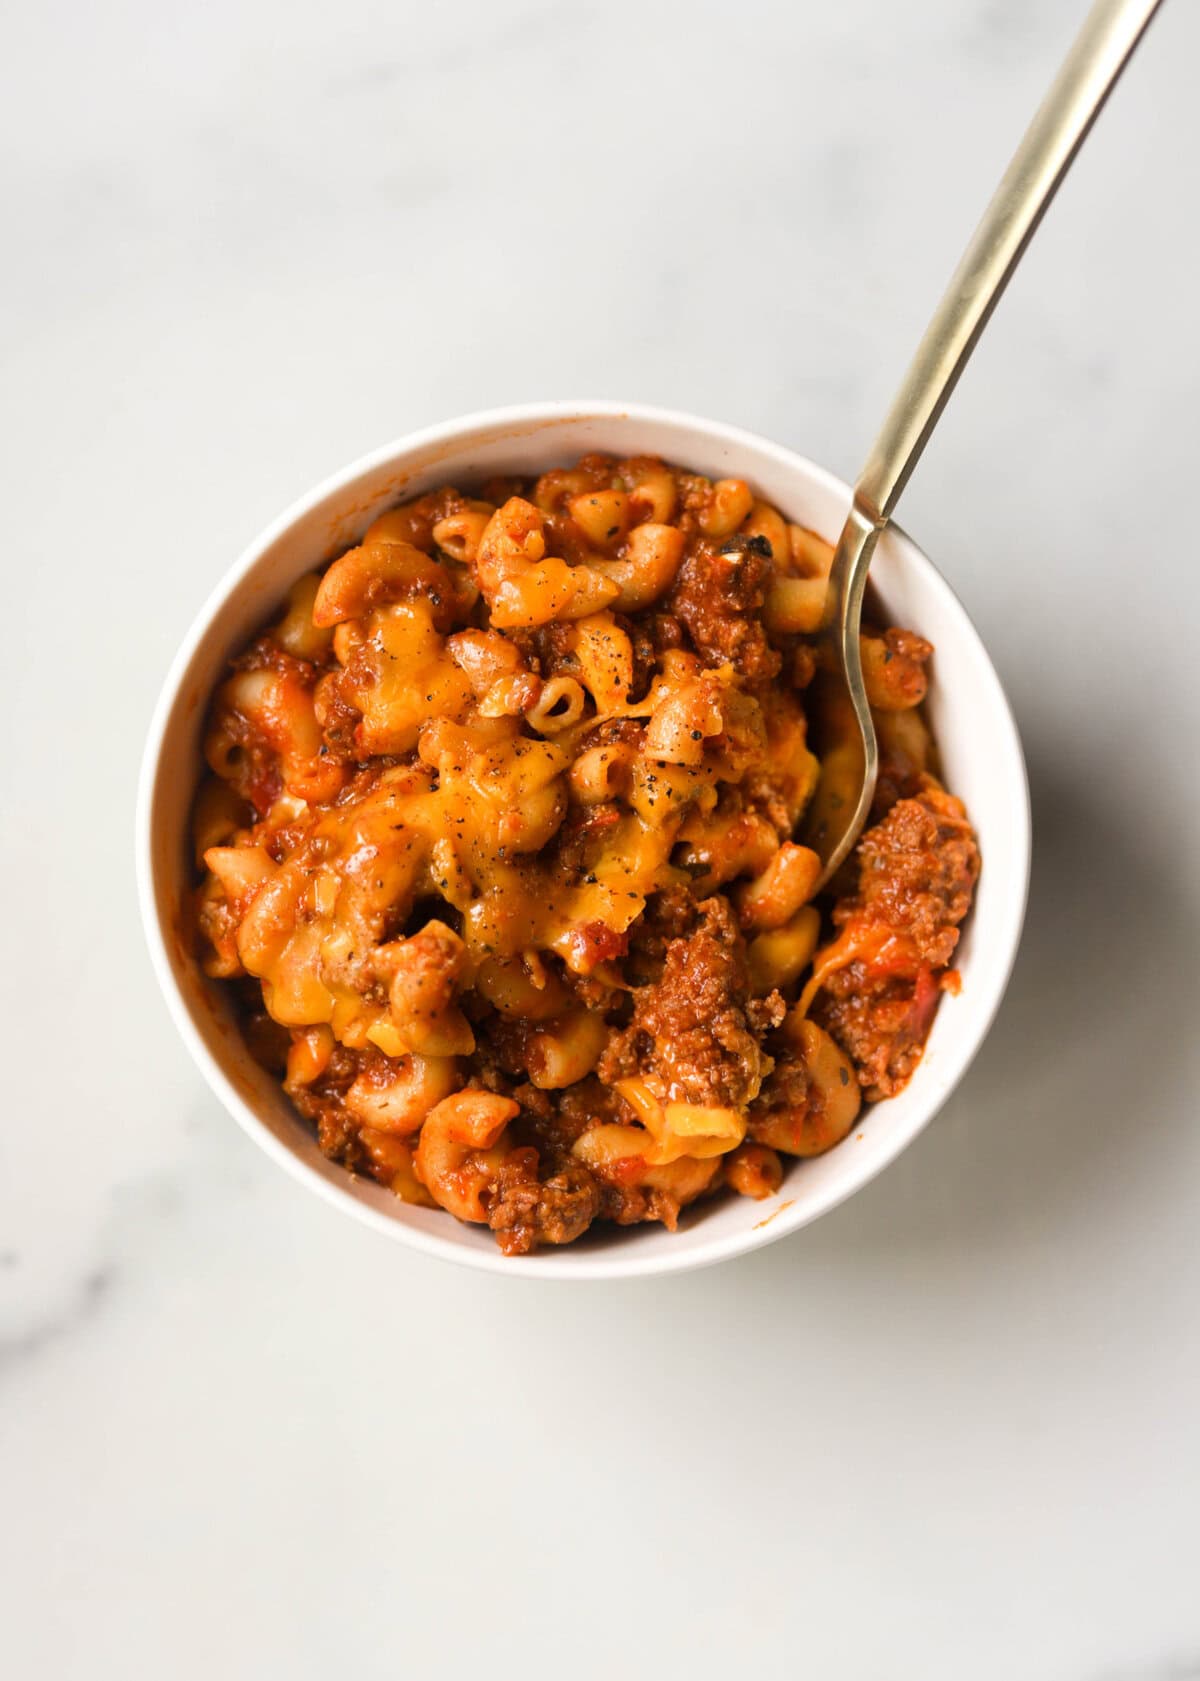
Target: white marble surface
x,y
951,1430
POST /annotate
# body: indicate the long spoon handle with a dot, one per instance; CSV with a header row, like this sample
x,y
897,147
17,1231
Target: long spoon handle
x,y
1088,75
1111,31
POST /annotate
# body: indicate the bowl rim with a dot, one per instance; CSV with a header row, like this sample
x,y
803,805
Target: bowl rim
x,y
611,1262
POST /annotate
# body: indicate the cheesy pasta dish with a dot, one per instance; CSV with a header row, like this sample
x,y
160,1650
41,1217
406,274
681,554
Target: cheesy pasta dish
x,y
498,851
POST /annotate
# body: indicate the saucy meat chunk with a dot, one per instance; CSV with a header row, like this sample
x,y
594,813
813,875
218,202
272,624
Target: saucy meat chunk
x,y
690,1027
917,874
718,597
524,1211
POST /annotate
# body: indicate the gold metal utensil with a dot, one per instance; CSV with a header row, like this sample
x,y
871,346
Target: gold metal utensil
x,y
850,762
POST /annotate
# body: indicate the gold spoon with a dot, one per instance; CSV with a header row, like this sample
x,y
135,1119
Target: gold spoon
x,y
850,758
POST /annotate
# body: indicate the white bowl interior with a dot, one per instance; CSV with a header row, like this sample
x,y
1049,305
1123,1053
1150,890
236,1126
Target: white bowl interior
x,y
981,759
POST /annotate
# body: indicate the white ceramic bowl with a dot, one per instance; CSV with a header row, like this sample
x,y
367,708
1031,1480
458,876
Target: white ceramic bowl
x,y
981,756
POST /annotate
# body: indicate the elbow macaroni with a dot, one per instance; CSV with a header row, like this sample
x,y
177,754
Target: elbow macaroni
x,y
477,799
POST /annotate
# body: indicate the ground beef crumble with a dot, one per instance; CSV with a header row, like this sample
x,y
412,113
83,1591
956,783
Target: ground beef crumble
x,y
323,1103
718,596
917,874
690,1027
525,1211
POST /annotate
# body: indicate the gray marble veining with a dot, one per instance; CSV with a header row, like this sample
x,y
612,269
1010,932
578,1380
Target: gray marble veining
x,y
948,1431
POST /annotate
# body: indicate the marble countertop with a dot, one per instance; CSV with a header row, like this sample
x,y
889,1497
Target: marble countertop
x,y
949,1431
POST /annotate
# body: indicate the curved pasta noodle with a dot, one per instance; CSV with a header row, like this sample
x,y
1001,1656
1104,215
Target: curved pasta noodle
x,y
459,534
461,1148
309,1055
777,958
523,585
683,720
398,675
559,706
241,870
611,1149
297,631
565,1051
423,974
728,503
726,844
484,657
376,573
894,670
603,773
604,657
812,556
398,1096
555,488
411,522
651,487
511,987
832,1102
754,1170
681,1129
602,515
272,712
647,568
391,1160
774,896
768,524
795,606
